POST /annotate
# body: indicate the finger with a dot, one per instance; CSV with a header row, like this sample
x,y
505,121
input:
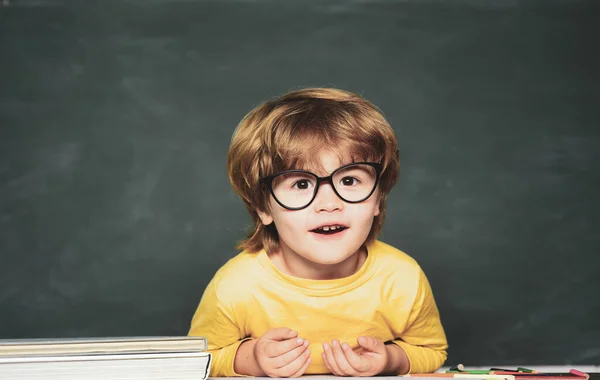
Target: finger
x,y
371,344
289,356
340,359
301,371
327,363
295,366
358,363
280,333
278,348
330,361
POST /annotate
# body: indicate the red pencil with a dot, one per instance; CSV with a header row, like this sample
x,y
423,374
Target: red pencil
x,y
579,373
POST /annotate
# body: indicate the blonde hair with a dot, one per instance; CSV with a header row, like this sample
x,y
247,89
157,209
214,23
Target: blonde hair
x,y
289,132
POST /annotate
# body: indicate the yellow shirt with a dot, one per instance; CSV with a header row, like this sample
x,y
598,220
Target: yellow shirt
x,y
389,298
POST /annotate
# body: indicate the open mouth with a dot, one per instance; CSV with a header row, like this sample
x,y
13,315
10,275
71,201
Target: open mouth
x,y
329,230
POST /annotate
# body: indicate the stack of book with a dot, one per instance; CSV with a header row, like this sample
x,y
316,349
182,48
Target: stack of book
x,y
131,358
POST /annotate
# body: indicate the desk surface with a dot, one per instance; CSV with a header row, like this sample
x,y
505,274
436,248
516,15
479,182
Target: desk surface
x,y
593,376
592,370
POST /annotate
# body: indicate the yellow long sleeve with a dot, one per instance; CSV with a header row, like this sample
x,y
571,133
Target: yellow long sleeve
x,y
389,298
421,340
217,324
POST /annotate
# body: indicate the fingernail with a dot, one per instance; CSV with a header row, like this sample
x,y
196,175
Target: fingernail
x,y
306,343
299,340
345,346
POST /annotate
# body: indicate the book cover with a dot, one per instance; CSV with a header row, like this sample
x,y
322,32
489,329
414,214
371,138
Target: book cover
x,y
73,346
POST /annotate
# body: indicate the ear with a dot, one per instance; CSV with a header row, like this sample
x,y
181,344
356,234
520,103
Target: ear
x,y
378,206
265,217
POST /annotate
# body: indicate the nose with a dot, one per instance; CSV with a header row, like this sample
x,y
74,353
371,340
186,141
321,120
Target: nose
x,y
327,200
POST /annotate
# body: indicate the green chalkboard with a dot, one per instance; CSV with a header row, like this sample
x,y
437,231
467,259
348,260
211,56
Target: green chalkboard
x,y
116,116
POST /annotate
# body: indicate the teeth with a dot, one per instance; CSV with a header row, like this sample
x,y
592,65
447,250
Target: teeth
x,y
330,228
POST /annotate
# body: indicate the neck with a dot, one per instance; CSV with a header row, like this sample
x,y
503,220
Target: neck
x,y
295,265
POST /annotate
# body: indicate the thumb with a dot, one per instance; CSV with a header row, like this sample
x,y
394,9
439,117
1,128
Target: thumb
x,y
371,344
280,333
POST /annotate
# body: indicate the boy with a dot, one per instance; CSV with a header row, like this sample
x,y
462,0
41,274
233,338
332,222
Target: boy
x,y
313,291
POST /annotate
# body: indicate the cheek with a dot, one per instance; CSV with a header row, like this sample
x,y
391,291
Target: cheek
x,y
290,223
365,212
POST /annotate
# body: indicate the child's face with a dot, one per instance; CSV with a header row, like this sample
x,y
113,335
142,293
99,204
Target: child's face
x,y
297,229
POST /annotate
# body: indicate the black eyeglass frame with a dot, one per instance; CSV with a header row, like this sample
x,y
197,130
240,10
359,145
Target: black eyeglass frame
x,y
268,181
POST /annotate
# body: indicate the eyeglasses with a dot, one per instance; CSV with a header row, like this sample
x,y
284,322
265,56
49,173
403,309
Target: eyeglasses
x,y
296,189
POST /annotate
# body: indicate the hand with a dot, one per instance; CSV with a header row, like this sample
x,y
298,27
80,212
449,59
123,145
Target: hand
x,y
281,353
370,358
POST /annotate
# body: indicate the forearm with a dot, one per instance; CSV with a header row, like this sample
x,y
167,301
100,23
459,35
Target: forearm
x,y
244,362
224,360
398,362
423,359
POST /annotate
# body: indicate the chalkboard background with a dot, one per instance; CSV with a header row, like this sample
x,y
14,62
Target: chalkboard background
x,y
116,116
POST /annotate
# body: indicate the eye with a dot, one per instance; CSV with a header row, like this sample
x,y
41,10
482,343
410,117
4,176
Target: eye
x,y
349,181
302,184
